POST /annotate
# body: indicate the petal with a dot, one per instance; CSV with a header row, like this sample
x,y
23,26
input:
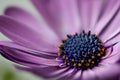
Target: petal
x,y
89,75
26,58
29,20
109,12
89,12
15,46
28,36
23,17
113,38
105,71
116,49
113,30
114,56
61,15
68,75
112,59
78,75
119,61
45,72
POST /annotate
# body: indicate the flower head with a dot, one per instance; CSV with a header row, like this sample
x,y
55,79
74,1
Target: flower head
x,y
80,39
81,51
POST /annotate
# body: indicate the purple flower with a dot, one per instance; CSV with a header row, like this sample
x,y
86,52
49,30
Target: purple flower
x,y
80,39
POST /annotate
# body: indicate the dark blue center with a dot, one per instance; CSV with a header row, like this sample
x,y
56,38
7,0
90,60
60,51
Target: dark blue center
x,y
81,50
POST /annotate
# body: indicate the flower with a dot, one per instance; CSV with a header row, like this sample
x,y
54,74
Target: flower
x,y
78,41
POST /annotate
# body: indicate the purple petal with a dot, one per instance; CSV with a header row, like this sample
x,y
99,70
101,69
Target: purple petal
x,y
26,58
89,13
23,17
46,72
107,71
116,49
114,56
15,46
110,11
61,15
68,75
113,30
29,20
114,39
112,59
89,75
77,75
27,36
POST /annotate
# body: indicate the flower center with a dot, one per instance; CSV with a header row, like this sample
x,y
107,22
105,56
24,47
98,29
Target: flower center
x,y
81,51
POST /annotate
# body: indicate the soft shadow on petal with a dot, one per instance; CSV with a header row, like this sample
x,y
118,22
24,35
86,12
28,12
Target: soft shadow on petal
x,y
89,75
107,71
115,50
16,46
111,60
26,58
77,75
71,76
28,19
113,41
66,75
109,13
50,72
24,17
89,13
28,36
112,31
61,15
112,54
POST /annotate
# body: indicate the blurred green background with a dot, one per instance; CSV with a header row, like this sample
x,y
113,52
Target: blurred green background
x,y
7,71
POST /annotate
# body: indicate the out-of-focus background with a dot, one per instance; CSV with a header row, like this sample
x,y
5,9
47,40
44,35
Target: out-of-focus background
x,y
7,70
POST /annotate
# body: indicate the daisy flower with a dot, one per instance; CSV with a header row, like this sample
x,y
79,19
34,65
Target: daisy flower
x,y
79,40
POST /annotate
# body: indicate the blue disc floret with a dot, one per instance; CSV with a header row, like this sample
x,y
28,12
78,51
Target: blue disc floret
x,y
81,51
